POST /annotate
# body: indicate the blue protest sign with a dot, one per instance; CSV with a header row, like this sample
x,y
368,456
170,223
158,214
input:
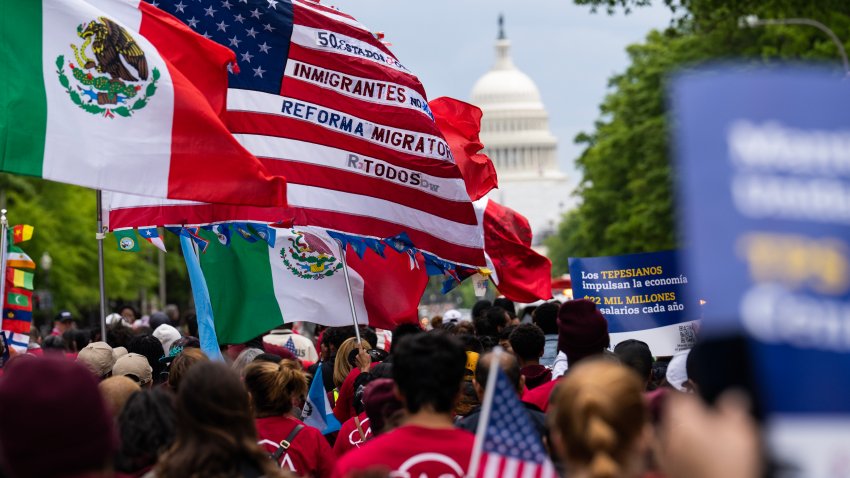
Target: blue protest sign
x,y
764,186
641,296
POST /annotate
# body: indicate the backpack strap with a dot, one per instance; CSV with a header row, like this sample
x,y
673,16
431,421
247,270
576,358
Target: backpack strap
x,y
286,443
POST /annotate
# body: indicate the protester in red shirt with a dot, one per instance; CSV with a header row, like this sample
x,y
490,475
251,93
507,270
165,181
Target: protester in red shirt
x,y
351,436
428,370
291,443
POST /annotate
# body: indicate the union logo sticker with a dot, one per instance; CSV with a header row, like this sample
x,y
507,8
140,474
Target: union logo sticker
x,y
116,79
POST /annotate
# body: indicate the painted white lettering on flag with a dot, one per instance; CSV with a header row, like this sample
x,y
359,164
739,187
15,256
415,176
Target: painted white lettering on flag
x,y
326,40
294,150
373,91
405,141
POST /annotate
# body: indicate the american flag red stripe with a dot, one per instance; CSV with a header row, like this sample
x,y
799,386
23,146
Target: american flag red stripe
x,y
497,466
173,214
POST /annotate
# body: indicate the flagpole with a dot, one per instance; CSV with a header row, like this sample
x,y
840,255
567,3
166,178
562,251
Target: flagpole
x,y
100,236
4,253
486,407
348,288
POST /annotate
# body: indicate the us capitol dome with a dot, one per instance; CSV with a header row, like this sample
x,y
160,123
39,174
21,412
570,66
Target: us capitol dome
x,y
516,136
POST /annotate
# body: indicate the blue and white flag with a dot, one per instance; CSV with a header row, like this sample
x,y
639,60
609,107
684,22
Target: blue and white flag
x,y
317,411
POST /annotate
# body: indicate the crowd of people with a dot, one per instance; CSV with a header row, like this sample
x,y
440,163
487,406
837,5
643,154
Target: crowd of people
x,y
147,402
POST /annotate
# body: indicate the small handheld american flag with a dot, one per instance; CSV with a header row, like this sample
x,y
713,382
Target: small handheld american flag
x,y
506,443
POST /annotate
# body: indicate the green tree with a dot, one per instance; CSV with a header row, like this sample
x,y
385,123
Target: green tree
x,y
626,192
65,224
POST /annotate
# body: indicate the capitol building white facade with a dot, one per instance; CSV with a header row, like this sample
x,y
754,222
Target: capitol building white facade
x,y
516,136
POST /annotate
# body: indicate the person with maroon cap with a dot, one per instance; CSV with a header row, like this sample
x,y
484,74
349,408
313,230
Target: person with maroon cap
x,y
86,441
582,333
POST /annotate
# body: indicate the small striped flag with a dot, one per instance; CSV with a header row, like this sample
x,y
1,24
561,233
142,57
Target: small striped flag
x,y
19,259
19,278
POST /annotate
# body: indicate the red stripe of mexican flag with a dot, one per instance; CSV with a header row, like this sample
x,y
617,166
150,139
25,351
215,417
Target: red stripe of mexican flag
x,y
140,116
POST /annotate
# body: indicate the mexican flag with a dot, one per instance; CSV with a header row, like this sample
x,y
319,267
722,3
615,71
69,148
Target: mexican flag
x,y
119,95
254,288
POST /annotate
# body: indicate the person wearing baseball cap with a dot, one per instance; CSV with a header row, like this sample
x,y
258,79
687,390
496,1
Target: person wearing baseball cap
x,y
97,357
136,367
63,322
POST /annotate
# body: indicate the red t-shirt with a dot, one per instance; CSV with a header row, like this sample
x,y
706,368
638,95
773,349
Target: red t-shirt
x,y
539,396
344,406
309,453
349,437
412,451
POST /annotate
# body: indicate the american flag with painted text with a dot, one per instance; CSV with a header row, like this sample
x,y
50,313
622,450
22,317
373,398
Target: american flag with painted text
x,y
324,103
507,444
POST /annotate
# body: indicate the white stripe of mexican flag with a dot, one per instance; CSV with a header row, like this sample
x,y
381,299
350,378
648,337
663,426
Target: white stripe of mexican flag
x,y
118,95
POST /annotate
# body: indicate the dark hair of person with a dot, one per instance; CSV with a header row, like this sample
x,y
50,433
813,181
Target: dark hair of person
x,y
480,308
333,337
635,355
186,360
267,357
132,309
191,323
118,335
147,426
274,386
506,304
527,341
462,328
470,343
505,333
53,343
381,370
488,342
159,318
216,437
76,339
510,366
151,348
491,323
255,343
403,330
428,370
546,317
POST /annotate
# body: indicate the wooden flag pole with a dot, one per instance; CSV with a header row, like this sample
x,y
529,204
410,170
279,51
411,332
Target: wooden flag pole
x,y
100,236
4,254
348,288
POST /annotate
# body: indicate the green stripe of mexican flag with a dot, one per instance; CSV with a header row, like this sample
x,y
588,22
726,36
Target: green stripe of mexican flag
x,y
23,104
118,95
254,287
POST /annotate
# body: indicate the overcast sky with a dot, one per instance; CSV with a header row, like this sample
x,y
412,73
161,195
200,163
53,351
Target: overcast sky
x,y
569,52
